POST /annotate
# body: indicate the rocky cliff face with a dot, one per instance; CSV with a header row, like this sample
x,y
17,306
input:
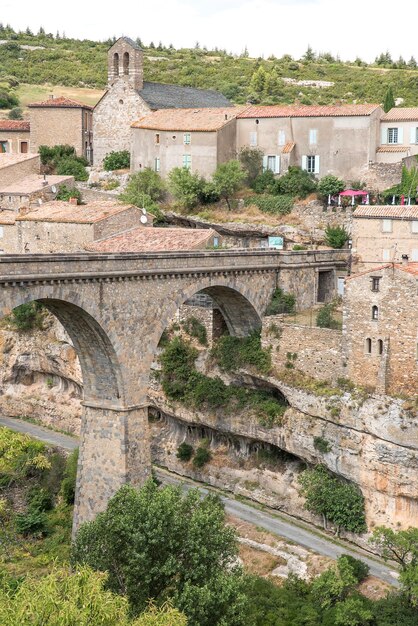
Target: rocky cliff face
x,y
372,440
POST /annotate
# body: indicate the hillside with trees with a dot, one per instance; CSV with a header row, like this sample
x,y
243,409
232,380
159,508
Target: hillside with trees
x,y
39,58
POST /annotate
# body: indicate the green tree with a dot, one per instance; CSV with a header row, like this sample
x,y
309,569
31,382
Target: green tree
x,y
228,179
75,599
389,100
69,480
185,186
335,584
334,499
65,193
72,167
144,184
296,182
251,160
336,236
27,316
325,317
158,543
353,611
15,114
398,545
330,185
117,160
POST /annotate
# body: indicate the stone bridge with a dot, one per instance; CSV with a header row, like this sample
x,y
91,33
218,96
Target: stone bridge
x,y
115,308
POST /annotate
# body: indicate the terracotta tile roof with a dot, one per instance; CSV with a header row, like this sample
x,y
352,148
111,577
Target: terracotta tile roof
x,y
15,125
7,159
393,149
68,213
288,147
7,217
410,268
202,120
341,110
61,101
396,212
154,240
401,114
34,183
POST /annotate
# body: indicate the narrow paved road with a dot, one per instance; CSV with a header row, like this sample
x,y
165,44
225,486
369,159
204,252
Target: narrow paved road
x,y
278,524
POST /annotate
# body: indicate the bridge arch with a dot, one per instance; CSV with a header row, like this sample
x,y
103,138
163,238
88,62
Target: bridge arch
x,y
102,381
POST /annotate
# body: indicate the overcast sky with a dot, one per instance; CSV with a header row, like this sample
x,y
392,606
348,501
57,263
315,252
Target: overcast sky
x,y
356,28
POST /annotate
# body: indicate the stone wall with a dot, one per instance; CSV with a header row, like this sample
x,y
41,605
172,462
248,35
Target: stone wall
x,y
316,216
316,352
57,125
14,172
381,176
14,139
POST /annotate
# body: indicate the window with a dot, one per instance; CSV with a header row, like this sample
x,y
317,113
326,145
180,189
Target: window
x,y
271,162
156,164
253,139
313,136
385,254
281,138
215,242
414,255
187,138
126,63
393,135
187,161
414,226
116,64
375,313
386,226
24,147
4,146
1,232
368,346
311,164
380,346
375,283
157,138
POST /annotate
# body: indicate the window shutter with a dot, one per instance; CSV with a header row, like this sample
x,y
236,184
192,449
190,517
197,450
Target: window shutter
x,y
400,135
304,162
317,165
413,137
384,136
265,161
277,168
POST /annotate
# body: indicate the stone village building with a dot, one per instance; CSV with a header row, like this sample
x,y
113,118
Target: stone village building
x,y
62,121
65,226
36,188
14,136
128,98
380,328
382,234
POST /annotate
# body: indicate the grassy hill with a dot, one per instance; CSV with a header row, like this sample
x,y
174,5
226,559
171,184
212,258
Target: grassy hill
x,y
47,59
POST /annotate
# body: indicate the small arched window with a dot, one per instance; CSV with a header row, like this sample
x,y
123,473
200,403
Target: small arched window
x,y
375,312
126,63
116,64
368,345
380,346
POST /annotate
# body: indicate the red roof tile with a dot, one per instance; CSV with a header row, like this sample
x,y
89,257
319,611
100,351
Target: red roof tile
x,y
14,125
154,240
340,110
61,101
401,114
197,120
288,147
396,212
393,149
410,268
67,213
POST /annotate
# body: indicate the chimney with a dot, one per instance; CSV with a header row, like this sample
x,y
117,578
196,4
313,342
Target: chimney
x,y
73,201
405,259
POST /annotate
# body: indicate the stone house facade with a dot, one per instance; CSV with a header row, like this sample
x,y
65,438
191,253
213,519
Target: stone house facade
x,y
62,121
382,234
398,135
198,139
339,140
129,98
67,227
14,136
380,328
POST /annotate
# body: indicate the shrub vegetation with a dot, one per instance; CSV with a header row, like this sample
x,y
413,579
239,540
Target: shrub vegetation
x,y
117,160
